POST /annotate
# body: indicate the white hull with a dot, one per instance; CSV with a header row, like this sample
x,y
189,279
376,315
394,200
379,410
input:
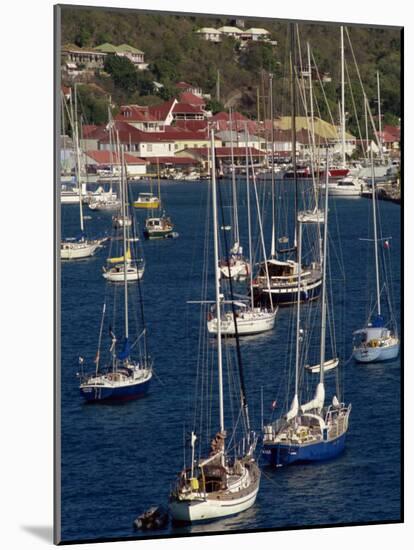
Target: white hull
x,y
311,216
117,276
69,198
365,354
249,322
328,365
202,510
338,191
78,250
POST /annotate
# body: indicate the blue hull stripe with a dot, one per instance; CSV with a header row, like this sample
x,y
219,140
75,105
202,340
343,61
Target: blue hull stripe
x,y
124,393
282,454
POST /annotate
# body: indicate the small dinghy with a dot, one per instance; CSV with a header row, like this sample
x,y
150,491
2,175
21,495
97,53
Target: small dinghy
x,y
156,517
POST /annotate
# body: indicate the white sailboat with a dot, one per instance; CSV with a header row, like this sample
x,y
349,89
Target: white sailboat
x,y
284,273
223,482
236,266
312,431
124,267
377,341
128,373
250,319
78,247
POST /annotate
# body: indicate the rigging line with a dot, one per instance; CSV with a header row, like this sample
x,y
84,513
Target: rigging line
x,y
238,351
324,95
134,244
355,112
363,91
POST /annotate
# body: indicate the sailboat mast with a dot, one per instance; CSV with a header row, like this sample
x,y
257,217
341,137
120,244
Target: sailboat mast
x,y
272,137
78,163
236,236
297,351
249,222
111,153
379,116
217,281
324,262
374,214
343,98
124,237
293,124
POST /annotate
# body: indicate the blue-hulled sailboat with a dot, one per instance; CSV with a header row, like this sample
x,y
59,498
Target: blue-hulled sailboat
x,y
128,372
377,341
311,431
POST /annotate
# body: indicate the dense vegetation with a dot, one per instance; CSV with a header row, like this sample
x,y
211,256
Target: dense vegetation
x,y
175,52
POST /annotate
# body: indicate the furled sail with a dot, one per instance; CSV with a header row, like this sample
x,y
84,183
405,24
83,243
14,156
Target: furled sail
x,y
318,401
294,408
120,259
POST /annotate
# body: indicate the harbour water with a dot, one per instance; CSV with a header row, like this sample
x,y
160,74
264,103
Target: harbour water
x,y
118,460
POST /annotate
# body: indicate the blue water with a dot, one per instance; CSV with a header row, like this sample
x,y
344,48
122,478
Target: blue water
x,y
119,460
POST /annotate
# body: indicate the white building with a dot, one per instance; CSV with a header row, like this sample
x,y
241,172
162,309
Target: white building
x,y
208,33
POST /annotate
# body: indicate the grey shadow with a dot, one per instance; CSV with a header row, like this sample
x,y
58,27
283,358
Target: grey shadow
x,y
44,532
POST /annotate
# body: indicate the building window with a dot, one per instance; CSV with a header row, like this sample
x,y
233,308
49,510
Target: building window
x,y
149,147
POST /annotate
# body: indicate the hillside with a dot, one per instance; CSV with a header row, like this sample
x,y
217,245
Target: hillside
x,y
175,52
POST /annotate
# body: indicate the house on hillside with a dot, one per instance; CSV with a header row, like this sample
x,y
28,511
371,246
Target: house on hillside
x,y
238,122
186,87
210,34
185,111
390,137
109,160
242,36
148,144
149,119
232,138
137,57
76,60
233,32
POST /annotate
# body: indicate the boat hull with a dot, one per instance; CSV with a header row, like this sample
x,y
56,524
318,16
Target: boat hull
x,y
366,354
282,454
245,327
158,234
287,296
119,277
128,392
77,252
204,510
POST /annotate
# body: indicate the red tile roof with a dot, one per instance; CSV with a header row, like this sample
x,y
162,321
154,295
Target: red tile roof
x,y
110,157
184,85
225,116
139,113
192,99
187,108
392,133
88,129
160,112
192,125
128,133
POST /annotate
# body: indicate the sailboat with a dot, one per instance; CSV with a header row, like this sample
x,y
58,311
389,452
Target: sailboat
x,y
288,275
236,266
78,247
128,373
226,480
311,431
376,341
250,319
160,227
124,267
